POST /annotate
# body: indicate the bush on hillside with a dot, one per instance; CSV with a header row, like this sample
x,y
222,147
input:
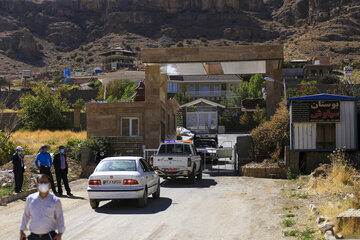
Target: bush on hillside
x,y
94,143
271,136
7,148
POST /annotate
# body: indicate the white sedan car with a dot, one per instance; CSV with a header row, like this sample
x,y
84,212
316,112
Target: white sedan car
x,y
123,178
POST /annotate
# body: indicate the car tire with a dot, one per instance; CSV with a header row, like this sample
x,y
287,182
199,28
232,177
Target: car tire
x,y
192,176
94,204
156,195
142,202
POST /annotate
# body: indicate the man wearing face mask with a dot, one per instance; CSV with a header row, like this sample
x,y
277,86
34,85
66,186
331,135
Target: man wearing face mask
x,y
18,168
44,212
61,170
43,162
99,156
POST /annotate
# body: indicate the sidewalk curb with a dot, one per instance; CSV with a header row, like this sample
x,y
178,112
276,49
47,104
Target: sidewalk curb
x,y
10,198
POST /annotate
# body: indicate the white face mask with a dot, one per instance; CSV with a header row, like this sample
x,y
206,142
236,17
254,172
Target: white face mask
x,y
62,150
43,187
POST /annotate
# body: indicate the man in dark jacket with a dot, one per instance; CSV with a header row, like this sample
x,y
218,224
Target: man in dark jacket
x,y
99,156
18,168
61,170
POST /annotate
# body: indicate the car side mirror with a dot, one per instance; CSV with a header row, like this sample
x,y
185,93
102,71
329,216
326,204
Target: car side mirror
x,y
221,147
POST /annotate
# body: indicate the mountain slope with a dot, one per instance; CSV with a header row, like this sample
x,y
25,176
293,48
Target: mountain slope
x,y
45,35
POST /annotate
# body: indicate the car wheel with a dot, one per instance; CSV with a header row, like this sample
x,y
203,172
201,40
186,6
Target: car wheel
x,y
156,194
143,201
199,175
192,176
94,204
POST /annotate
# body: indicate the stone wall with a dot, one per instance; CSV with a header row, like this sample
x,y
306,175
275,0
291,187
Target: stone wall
x,y
263,172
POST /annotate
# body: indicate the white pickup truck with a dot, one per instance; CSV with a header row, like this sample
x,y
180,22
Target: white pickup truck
x,y
177,159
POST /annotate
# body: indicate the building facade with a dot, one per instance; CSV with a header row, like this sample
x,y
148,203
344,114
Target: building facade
x,y
118,58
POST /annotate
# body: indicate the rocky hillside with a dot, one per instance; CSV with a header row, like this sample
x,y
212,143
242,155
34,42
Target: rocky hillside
x,y
47,35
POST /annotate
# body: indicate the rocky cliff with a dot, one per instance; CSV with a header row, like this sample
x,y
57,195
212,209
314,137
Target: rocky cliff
x,y
68,24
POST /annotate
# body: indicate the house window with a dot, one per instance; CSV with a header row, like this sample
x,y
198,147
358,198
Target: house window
x,y
325,135
129,127
172,87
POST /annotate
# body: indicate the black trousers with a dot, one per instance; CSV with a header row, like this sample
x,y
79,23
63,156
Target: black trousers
x,y
62,174
46,170
19,179
48,236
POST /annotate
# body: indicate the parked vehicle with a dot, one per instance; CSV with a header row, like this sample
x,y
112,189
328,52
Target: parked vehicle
x,y
207,145
123,178
177,159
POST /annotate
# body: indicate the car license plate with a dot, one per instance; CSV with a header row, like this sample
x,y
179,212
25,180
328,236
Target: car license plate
x,y
170,170
112,182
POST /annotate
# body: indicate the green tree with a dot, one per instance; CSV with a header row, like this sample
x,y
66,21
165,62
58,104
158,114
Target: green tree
x,y
245,119
7,148
259,116
44,110
119,90
256,84
181,98
80,103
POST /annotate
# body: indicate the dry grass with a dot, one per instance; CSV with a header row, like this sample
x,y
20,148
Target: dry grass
x,y
35,139
343,190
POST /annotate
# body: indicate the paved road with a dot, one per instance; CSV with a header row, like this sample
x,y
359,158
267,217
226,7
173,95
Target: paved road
x,y
221,206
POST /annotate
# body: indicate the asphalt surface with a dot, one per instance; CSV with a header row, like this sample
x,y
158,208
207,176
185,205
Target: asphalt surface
x,y
221,206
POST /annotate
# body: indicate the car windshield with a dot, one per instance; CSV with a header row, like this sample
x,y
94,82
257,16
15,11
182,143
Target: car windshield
x,y
205,144
116,165
174,149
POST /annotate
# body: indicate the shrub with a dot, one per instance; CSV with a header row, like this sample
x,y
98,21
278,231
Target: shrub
x,y
179,44
72,142
7,148
58,57
94,143
329,79
288,223
79,58
90,54
80,103
273,135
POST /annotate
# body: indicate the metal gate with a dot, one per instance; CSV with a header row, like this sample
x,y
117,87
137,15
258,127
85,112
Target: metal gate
x,y
201,120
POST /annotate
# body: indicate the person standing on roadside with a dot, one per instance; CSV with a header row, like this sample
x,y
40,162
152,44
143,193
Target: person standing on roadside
x,y
18,168
100,155
61,170
44,212
43,162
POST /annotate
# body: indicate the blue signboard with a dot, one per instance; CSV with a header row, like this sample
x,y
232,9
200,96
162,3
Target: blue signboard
x,y
67,72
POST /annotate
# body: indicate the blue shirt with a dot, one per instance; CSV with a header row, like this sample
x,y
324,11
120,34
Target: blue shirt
x,y
44,158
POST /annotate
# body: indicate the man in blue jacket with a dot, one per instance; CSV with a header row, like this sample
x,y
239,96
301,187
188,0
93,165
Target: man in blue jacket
x,y
43,162
18,168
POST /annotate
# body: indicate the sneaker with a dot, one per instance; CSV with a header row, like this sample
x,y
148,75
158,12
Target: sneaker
x,y
70,194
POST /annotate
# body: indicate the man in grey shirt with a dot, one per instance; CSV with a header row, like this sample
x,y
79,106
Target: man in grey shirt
x,y
44,212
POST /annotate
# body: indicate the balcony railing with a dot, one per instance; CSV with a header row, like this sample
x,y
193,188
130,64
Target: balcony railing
x,y
222,93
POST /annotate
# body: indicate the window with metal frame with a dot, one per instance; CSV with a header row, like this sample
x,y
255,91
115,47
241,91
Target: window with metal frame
x,y
130,127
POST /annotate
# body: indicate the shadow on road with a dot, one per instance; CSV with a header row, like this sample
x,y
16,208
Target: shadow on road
x,y
221,172
184,183
129,206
